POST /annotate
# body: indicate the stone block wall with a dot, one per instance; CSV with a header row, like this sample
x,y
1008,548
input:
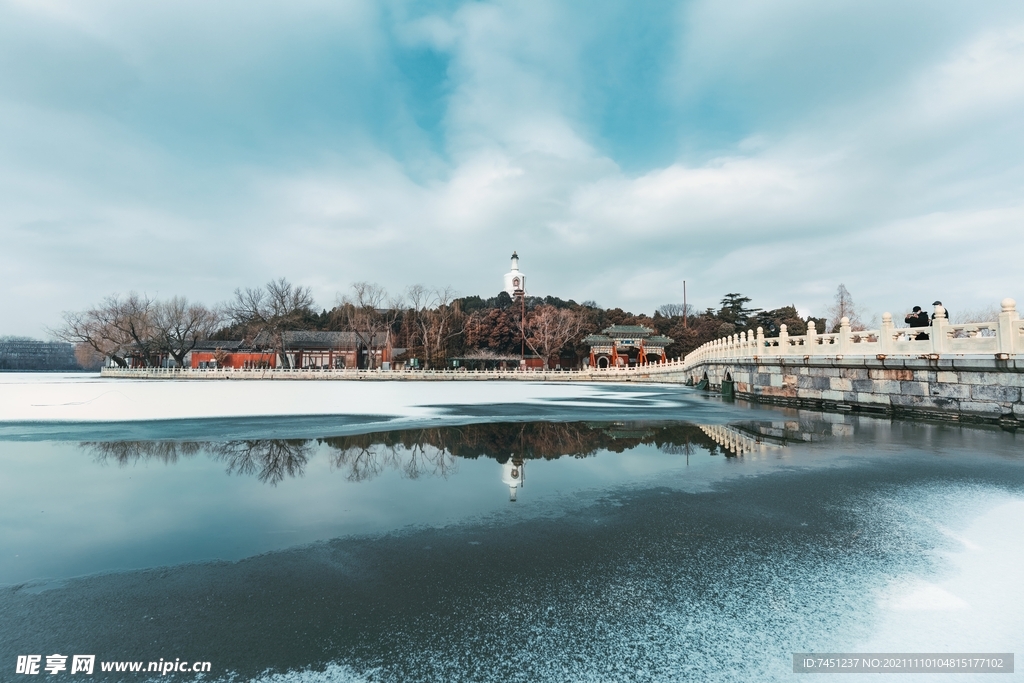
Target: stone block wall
x,y
956,388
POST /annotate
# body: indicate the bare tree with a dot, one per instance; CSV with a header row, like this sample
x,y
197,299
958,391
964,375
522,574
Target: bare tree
x,y
370,313
986,314
136,316
92,329
116,329
265,313
676,310
439,319
843,307
87,357
548,329
180,325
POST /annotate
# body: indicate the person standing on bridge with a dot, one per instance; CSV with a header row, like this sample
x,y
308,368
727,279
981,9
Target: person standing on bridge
x,y
945,313
917,318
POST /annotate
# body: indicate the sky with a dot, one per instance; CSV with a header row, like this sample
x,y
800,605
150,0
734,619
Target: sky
x,y
776,149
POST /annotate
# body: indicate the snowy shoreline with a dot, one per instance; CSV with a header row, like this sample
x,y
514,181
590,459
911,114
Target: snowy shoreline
x,y
40,398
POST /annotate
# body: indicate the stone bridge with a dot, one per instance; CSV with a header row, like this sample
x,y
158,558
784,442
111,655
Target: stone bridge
x,y
970,372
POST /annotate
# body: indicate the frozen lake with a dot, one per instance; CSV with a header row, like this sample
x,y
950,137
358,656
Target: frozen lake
x,y
656,534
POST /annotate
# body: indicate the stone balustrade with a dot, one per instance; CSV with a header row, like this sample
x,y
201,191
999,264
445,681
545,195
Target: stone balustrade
x,y
1001,339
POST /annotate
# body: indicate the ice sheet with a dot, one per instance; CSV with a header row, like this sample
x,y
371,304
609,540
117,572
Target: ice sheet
x,y
89,398
40,399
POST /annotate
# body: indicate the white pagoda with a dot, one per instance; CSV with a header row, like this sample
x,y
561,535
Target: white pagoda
x,y
515,281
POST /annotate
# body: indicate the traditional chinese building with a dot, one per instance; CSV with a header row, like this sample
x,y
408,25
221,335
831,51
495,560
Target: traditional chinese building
x,y
229,354
626,345
314,349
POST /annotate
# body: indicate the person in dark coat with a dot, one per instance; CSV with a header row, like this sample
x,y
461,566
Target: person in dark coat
x,y
939,303
918,319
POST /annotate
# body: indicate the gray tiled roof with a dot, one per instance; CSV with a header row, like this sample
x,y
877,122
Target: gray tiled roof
x,y
634,330
593,339
319,339
213,345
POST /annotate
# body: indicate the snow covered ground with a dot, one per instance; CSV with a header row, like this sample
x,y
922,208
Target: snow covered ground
x,y
26,397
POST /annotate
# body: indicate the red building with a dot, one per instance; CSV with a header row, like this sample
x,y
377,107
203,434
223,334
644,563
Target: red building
x,y
313,349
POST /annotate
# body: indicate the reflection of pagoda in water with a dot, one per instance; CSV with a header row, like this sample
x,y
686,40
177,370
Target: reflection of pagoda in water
x,y
513,475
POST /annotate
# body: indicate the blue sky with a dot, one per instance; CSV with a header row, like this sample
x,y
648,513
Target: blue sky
x,y
771,148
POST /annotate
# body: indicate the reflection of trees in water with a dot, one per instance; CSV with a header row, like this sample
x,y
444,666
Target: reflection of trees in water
x,y
416,453
271,460
367,455
130,452
678,449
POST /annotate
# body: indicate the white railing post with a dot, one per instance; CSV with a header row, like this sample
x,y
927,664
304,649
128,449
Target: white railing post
x,y
885,334
845,339
811,340
783,340
759,343
939,324
1006,329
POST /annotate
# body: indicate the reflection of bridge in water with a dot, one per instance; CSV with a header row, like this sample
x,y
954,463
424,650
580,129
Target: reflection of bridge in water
x,y
761,437
736,442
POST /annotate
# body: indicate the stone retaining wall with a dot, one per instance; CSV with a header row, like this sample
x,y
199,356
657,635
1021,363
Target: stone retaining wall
x,y
957,388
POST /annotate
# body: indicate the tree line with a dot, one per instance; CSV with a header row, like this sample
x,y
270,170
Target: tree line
x,y
433,325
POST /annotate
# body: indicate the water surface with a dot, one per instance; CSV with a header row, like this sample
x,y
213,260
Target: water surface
x,y
641,544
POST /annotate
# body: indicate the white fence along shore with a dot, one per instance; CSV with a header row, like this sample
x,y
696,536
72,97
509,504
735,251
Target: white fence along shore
x,y
999,339
586,375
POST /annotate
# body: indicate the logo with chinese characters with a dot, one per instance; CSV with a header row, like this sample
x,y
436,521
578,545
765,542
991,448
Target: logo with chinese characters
x,y
55,663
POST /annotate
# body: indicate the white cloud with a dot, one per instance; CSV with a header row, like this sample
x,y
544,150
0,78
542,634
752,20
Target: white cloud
x,y
898,189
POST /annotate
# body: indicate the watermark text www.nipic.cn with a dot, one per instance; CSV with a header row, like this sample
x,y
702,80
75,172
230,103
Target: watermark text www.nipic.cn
x,y
86,664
